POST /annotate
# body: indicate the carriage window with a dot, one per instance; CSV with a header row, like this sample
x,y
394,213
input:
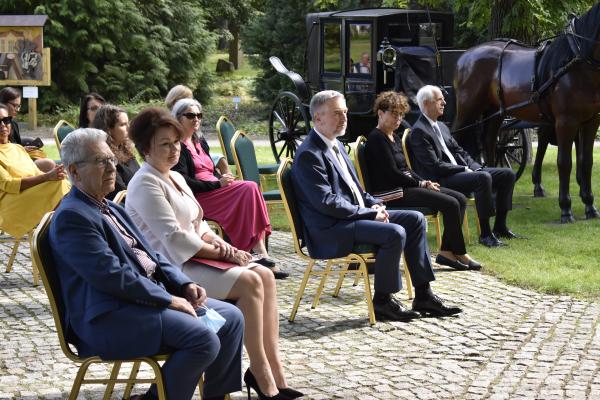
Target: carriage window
x,y
428,33
332,48
360,48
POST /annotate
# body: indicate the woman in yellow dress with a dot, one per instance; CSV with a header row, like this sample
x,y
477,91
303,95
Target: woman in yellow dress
x,y
26,193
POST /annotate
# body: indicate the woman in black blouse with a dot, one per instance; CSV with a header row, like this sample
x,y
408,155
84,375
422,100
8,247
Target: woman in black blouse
x,y
114,121
388,170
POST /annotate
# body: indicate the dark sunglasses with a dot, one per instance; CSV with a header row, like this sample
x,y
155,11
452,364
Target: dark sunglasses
x,y
6,120
191,115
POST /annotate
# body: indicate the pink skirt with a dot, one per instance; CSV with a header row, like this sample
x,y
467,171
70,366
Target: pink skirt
x,y
240,209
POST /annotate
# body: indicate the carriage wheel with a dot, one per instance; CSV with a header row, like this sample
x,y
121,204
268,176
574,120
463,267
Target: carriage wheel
x,y
513,149
288,125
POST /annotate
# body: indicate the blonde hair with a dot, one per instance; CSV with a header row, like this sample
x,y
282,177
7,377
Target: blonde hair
x,y
177,93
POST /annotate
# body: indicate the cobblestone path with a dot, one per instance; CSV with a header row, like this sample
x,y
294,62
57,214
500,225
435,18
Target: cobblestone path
x,y
509,343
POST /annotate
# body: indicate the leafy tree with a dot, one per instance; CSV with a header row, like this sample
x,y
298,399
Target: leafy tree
x,y
226,19
124,49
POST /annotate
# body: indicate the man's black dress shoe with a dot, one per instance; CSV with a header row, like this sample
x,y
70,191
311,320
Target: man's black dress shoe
x,y
491,241
393,310
440,259
434,306
508,234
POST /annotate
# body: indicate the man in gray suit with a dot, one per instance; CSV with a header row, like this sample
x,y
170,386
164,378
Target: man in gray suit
x,y
438,157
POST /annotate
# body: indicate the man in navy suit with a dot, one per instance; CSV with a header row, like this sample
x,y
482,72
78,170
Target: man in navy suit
x,y
338,215
437,156
122,299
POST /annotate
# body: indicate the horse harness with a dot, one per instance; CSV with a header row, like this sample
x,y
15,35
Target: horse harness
x,y
538,91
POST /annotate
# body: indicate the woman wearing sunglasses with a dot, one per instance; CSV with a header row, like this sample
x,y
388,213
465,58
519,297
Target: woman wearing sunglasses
x,y
238,206
26,193
11,98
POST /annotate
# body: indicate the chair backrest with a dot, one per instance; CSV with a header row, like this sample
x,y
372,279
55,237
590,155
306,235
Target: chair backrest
x,y
120,197
288,196
225,132
61,130
42,255
406,147
244,157
360,163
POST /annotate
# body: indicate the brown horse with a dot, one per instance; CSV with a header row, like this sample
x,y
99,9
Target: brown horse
x,y
557,84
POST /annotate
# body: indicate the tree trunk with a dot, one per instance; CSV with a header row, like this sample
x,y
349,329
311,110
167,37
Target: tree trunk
x,y
235,51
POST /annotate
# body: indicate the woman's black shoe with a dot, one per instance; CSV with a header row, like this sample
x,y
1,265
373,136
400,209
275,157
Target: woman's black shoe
x,y
266,261
251,382
280,274
440,259
290,393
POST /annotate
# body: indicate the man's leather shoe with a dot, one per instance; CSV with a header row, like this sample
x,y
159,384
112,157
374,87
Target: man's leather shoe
x,y
474,265
393,310
434,306
490,241
508,234
440,259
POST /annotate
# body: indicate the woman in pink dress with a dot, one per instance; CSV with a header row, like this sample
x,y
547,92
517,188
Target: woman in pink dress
x,y
238,206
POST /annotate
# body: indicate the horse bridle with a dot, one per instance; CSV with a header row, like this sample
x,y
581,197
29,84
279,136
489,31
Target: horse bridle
x,y
572,38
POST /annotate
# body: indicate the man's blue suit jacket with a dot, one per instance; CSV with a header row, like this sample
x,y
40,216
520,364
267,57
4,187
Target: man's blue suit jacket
x,y
112,308
325,199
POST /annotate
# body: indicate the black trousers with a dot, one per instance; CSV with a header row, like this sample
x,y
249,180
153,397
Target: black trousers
x,y
450,203
483,183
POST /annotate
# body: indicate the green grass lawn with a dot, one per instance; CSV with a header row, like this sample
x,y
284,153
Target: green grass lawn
x,y
556,258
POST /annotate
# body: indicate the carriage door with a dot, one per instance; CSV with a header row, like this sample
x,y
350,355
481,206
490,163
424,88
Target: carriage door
x,y
360,85
331,59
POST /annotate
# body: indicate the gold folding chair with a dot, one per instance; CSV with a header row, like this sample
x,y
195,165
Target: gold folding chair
x,y
470,199
61,130
225,132
247,167
362,256
42,254
363,176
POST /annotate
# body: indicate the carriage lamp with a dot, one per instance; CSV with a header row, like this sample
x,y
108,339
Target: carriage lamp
x,y
386,53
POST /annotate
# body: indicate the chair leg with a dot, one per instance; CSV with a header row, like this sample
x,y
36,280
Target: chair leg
x,y
13,255
338,286
132,375
79,378
307,273
322,283
466,231
114,374
438,230
407,278
368,295
160,385
34,269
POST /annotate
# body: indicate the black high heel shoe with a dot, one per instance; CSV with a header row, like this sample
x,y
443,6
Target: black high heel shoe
x,y
251,382
290,393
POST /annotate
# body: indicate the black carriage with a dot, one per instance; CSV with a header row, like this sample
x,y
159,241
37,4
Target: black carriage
x,y
361,53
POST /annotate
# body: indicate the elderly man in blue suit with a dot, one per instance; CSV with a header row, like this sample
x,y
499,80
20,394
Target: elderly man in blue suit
x,y
338,215
124,300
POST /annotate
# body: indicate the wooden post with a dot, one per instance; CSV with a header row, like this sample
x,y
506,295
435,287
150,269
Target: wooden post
x,y
32,115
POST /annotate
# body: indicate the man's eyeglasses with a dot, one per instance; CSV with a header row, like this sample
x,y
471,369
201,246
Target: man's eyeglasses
x,y
6,121
15,106
191,115
101,161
